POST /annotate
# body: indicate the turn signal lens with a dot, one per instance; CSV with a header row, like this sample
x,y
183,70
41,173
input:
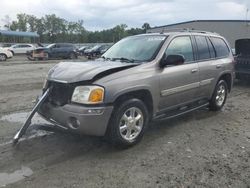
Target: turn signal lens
x,y
96,95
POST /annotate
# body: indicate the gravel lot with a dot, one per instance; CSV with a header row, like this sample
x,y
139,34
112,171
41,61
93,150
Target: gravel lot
x,y
200,149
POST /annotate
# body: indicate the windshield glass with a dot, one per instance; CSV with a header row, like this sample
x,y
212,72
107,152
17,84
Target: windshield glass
x,y
83,47
136,48
50,45
95,47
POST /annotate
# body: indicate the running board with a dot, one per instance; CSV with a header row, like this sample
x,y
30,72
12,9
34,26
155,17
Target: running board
x,y
27,123
165,116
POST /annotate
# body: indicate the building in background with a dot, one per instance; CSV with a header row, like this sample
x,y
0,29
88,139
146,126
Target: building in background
x,y
18,37
230,29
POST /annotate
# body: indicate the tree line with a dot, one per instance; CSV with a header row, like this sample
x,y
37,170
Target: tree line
x,y
52,28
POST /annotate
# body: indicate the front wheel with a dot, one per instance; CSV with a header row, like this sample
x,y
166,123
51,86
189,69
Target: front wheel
x,y
46,56
72,56
219,96
128,123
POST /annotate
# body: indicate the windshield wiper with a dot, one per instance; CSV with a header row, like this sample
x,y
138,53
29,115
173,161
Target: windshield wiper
x,y
105,58
124,59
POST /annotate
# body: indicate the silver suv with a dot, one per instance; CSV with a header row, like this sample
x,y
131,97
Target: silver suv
x,y
139,79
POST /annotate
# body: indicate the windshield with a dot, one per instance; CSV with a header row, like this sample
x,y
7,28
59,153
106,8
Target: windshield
x,y
95,47
136,48
50,45
83,47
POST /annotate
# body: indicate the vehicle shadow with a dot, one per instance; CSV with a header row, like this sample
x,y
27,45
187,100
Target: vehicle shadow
x,y
60,146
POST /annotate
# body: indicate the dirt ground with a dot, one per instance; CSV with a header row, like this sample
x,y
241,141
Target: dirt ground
x,y
200,149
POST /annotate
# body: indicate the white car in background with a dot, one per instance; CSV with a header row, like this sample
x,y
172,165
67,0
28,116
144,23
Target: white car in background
x,y
21,48
5,54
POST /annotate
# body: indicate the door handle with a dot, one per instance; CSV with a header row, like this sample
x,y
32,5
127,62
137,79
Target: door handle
x,y
194,70
218,66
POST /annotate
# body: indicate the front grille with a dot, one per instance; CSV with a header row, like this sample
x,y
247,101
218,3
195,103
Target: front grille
x,y
61,93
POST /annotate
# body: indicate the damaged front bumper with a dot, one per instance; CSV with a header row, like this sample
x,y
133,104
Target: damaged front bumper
x,y
78,118
27,123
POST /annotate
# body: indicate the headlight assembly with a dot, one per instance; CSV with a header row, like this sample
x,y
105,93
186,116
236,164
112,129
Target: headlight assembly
x,y
88,95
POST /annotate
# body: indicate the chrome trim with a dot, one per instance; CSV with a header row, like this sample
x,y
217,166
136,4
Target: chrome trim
x,y
206,82
180,89
60,81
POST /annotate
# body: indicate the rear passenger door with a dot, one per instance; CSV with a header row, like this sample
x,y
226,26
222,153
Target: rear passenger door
x,y
210,58
55,51
179,83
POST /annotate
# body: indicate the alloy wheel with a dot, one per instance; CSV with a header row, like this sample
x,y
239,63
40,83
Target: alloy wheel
x,y
131,123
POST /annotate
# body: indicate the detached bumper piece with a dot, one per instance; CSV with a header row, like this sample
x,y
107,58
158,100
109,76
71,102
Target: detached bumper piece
x,y
37,55
27,123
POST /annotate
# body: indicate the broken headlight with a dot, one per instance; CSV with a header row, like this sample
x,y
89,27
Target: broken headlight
x,y
88,95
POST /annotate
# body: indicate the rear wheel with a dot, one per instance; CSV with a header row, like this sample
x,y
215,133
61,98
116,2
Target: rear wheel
x,y
3,57
219,96
128,123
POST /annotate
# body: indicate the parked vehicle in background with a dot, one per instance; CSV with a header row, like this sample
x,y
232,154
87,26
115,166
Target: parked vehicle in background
x,y
233,51
96,51
140,78
5,54
82,49
21,48
54,51
242,66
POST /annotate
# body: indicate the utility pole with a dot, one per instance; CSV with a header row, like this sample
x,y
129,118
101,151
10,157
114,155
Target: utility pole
x,y
247,17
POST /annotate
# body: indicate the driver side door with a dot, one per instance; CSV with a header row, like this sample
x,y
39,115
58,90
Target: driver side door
x,y
179,83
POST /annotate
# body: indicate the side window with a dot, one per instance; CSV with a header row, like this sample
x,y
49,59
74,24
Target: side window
x,y
211,48
181,46
203,51
220,47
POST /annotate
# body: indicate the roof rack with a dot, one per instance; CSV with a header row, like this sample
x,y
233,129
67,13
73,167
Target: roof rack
x,y
185,30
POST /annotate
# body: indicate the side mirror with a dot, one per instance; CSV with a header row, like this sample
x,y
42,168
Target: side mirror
x,y
172,60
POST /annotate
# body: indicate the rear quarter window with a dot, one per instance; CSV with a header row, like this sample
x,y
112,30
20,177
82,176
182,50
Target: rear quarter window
x,y
220,47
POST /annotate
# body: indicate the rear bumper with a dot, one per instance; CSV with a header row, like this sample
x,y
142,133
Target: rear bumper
x,y
78,118
242,72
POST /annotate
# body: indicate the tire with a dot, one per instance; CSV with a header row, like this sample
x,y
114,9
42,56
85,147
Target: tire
x,y
219,96
72,56
3,57
125,129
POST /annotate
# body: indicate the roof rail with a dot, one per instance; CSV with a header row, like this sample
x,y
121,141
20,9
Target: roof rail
x,y
185,30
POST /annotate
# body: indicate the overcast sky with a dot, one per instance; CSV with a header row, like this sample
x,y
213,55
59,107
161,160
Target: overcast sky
x,y
103,14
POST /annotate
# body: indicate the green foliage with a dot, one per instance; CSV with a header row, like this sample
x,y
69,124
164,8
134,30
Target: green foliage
x,y
55,29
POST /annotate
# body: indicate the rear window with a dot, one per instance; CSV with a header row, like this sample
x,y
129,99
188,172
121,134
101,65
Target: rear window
x,y
220,46
242,47
203,51
211,48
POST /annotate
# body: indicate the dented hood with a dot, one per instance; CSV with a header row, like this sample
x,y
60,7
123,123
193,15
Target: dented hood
x,y
70,72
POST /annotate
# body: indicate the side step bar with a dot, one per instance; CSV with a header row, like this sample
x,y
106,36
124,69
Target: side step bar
x,y
166,116
27,123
